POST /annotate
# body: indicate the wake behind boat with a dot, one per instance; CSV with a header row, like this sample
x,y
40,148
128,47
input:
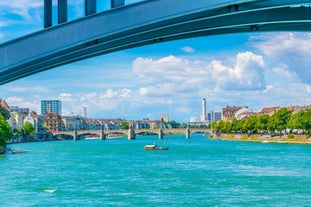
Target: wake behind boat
x,y
154,147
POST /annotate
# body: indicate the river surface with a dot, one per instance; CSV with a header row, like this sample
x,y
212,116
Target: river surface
x,y
119,172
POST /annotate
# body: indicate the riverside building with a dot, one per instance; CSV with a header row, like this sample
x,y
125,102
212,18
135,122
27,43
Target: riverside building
x,y
48,106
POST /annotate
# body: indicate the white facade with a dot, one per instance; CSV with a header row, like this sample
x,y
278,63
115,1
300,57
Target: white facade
x,y
31,120
164,117
242,113
16,120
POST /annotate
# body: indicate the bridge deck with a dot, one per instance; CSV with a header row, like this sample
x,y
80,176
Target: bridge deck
x,y
135,25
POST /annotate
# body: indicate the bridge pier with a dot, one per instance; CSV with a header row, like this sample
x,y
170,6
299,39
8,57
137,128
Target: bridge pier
x,y
102,134
131,134
160,133
117,3
187,133
75,135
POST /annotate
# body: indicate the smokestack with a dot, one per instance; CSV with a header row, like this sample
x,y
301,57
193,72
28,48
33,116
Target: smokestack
x,y
85,111
203,113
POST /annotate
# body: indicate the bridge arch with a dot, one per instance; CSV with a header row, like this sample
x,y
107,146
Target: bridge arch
x,y
83,38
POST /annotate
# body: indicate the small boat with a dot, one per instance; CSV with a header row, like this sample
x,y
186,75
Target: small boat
x,y
91,138
14,151
154,147
114,136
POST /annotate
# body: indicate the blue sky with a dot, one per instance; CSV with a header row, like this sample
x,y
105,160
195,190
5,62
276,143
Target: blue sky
x,y
254,69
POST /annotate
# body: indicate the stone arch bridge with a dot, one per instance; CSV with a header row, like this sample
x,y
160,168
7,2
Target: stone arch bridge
x,y
131,133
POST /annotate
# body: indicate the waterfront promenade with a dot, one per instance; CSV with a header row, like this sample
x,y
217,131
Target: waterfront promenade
x,y
281,139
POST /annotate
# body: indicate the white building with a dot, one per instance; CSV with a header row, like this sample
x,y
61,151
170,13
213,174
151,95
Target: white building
x,y
244,112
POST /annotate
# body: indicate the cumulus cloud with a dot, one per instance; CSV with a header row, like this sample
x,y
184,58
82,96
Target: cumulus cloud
x,y
24,103
289,49
172,73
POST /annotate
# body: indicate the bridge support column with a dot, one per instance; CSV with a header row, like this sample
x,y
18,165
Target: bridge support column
x,y
117,3
102,134
90,7
160,133
47,13
62,11
131,134
187,133
75,135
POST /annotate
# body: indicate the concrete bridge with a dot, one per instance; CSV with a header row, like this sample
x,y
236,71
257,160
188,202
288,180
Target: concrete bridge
x,y
131,133
142,23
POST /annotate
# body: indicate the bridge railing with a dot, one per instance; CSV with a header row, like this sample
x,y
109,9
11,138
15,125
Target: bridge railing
x,y
62,9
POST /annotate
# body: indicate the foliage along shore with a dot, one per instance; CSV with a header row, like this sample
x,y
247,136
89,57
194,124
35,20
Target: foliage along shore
x,y
283,139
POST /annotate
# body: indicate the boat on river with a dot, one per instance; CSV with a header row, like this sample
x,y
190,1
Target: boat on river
x,y
114,136
91,137
154,147
14,151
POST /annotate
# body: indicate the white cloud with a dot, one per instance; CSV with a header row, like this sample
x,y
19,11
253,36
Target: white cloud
x,y
65,95
188,49
27,89
33,105
176,73
21,8
289,49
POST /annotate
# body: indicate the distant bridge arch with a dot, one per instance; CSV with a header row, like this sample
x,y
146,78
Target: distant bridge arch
x,y
144,23
131,133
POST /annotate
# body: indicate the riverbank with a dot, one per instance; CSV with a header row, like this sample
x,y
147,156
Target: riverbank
x,y
284,139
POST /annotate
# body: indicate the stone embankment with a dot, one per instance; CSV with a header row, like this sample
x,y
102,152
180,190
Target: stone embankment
x,y
285,139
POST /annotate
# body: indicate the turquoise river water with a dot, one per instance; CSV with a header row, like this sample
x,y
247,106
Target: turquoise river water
x,y
119,172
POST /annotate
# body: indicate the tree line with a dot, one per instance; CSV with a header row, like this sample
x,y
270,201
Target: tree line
x,y
283,121
6,132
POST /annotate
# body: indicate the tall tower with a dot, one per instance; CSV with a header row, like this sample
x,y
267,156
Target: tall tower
x,y
84,111
203,113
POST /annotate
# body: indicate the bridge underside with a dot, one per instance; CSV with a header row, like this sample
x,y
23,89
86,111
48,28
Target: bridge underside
x,y
135,25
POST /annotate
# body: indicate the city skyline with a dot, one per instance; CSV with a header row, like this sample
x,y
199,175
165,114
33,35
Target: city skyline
x,y
254,69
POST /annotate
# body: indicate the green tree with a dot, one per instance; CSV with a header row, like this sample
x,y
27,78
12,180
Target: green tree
x,y
125,125
224,126
262,122
5,133
28,129
183,125
278,120
306,120
16,133
236,125
172,124
249,124
5,113
296,121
